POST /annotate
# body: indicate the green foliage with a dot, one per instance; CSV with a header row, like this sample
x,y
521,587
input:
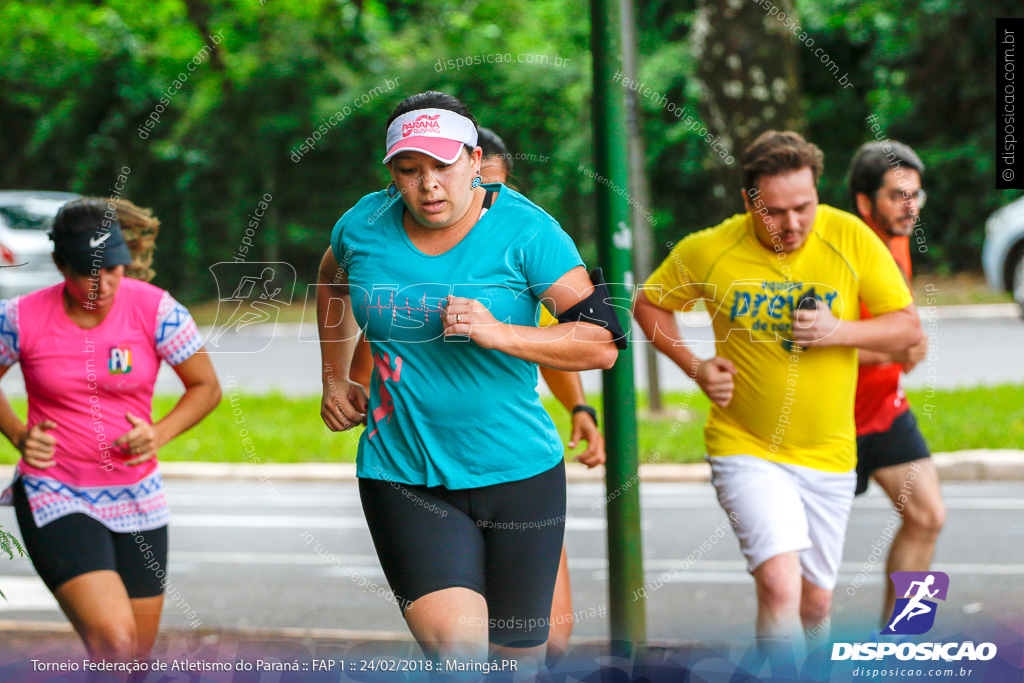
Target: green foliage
x,y
9,544
286,429
962,419
927,69
79,79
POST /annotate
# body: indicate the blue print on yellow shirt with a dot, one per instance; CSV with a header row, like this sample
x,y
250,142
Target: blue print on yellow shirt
x,y
770,306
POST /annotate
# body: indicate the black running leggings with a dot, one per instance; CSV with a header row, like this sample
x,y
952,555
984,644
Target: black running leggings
x,y
77,544
502,541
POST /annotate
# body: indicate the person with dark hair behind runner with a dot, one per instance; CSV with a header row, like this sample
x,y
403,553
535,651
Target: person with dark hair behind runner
x,y
885,189
461,472
87,492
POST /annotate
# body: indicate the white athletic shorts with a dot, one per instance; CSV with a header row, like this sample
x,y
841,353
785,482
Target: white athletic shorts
x,y
782,508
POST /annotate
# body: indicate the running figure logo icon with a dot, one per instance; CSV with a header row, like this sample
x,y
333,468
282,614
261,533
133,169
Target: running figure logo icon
x,y
914,613
250,296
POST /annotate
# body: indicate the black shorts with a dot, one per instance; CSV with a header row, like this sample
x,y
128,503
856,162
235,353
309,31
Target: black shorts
x,y
899,444
502,541
77,544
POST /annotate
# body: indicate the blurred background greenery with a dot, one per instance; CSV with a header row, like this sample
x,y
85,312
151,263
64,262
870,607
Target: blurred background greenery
x,y
290,430
79,79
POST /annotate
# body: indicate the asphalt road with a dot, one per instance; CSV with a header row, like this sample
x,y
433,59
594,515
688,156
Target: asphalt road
x,y
243,560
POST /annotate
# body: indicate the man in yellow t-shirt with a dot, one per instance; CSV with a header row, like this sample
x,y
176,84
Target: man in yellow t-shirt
x,y
783,283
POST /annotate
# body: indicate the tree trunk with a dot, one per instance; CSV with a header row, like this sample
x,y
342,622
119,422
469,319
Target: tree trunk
x,y
749,76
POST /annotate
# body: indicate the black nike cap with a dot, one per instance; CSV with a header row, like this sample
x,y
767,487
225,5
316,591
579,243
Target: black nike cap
x,y
87,236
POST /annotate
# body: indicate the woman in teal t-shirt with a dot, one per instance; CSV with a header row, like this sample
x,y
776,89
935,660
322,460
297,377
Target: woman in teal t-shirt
x,y
461,472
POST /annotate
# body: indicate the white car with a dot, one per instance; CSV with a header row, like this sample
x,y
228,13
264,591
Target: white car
x,y
26,263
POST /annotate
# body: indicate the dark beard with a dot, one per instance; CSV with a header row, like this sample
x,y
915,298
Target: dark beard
x,y
891,230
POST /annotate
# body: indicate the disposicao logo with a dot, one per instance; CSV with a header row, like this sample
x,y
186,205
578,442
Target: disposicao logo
x,y
914,614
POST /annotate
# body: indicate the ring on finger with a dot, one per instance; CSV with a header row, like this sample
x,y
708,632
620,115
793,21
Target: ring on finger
x,y
458,318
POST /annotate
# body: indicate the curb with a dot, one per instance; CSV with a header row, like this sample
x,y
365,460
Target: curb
x,y
981,465
972,465
63,630
60,628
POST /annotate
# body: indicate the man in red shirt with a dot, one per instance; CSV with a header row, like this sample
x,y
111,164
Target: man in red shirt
x,y
885,187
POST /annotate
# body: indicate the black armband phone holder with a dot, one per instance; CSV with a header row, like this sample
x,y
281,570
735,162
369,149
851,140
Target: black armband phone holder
x,y
597,310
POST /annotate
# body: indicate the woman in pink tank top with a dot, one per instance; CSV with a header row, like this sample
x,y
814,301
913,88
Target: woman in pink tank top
x,y
87,492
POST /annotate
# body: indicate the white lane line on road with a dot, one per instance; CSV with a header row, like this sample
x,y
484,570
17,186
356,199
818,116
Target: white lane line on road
x,y
342,501
869,503
729,566
26,594
307,522
267,522
979,504
309,558
647,502
367,571
735,571
29,594
316,502
651,566
987,569
255,500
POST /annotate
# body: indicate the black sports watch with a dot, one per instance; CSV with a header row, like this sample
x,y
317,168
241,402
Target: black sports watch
x,y
584,408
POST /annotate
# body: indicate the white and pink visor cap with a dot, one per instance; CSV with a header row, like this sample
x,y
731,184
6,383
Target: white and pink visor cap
x,y
436,132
